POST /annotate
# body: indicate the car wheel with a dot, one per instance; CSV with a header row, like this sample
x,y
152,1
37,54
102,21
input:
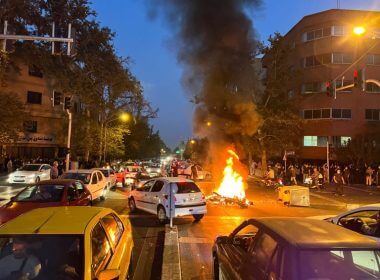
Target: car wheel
x,y
38,179
161,215
198,217
132,205
104,194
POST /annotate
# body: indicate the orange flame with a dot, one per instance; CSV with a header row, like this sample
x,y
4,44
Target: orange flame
x,y
232,184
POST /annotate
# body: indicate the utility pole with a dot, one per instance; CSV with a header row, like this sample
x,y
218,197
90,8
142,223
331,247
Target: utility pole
x,y
328,159
68,141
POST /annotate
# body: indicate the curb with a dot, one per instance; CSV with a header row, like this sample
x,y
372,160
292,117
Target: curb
x,y
171,266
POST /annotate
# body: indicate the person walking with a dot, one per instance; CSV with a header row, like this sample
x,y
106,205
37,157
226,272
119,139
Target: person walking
x,y
339,182
54,170
315,177
368,176
293,175
10,165
347,175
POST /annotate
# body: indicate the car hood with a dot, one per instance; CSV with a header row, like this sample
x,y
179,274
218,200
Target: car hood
x,y
13,209
23,173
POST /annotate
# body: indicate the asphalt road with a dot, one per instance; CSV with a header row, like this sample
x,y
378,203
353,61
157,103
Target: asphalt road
x,y
195,239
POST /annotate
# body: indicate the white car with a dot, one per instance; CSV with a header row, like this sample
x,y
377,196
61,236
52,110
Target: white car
x,y
30,173
153,197
354,218
153,170
94,180
109,175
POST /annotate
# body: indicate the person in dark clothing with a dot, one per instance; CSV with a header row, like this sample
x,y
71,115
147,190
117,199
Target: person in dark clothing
x,y
339,182
194,172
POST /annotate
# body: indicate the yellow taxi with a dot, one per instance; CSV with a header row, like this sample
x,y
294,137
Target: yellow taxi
x,y
70,243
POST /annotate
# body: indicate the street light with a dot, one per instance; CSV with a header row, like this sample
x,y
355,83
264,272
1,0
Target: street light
x,y
192,142
209,123
124,117
359,30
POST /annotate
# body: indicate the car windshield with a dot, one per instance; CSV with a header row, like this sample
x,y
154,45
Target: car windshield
x,y
105,172
187,187
339,264
48,256
41,193
84,177
30,167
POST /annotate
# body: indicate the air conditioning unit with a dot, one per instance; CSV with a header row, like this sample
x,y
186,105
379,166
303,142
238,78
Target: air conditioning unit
x,y
294,195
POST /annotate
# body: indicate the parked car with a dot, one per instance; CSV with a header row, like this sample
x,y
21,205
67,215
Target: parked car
x,y
109,175
201,174
46,194
30,173
153,197
94,181
68,243
294,249
354,219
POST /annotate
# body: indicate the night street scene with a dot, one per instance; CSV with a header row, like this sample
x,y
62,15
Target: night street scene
x,y
189,139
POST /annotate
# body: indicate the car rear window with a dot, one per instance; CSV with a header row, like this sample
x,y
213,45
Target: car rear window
x,y
339,264
105,173
187,187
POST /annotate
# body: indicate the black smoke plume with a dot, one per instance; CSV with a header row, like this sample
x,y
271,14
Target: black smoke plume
x,y
215,42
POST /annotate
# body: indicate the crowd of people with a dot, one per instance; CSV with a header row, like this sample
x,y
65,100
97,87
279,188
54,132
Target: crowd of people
x,y
317,175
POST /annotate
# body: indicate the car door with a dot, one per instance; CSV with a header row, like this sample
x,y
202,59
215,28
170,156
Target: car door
x,y
142,198
121,245
72,195
155,195
232,254
93,186
261,260
353,220
83,198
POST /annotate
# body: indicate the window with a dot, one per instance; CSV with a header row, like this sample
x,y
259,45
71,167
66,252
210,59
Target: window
x,y
316,60
326,113
264,249
310,141
317,34
372,114
57,98
341,58
338,31
35,71
187,187
30,126
114,227
34,97
373,59
72,193
344,140
372,88
248,230
342,83
341,113
100,176
157,186
146,187
312,87
346,114
316,114
308,114
101,249
80,187
94,179
322,141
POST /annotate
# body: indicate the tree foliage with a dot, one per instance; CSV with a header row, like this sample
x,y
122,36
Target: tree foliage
x,y
281,126
95,74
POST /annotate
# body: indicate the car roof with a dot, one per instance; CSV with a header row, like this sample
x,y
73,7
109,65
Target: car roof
x,y
58,182
53,220
174,179
312,234
81,171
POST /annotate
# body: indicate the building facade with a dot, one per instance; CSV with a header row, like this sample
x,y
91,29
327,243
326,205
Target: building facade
x,y
323,47
45,132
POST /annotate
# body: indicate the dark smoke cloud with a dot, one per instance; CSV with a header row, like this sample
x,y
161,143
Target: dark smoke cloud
x,y
215,42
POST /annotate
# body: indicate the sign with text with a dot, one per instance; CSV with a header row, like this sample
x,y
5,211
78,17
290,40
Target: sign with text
x,y
36,138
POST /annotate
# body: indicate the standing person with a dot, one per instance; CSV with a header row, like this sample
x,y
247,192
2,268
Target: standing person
x,y
368,176
194,172
347,175
10,165
293,175
339,182
315,177
54,170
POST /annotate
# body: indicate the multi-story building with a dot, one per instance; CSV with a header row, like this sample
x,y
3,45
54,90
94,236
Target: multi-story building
x,y
45,132
323,47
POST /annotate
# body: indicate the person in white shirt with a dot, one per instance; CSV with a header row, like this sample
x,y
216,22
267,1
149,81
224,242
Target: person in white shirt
x,y
19,264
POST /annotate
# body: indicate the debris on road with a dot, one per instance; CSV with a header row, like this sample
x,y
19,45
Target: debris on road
x,y
218,199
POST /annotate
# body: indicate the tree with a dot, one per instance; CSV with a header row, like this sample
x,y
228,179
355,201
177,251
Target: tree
x,y
95,75
12,116
281,127
197,150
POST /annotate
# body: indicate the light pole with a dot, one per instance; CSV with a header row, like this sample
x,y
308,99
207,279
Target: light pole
x,y
124,117
68,141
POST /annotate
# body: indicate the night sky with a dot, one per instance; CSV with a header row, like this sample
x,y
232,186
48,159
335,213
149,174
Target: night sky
x,y
154,63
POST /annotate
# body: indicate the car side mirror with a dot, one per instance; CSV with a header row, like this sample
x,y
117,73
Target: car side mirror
x,y
109,274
